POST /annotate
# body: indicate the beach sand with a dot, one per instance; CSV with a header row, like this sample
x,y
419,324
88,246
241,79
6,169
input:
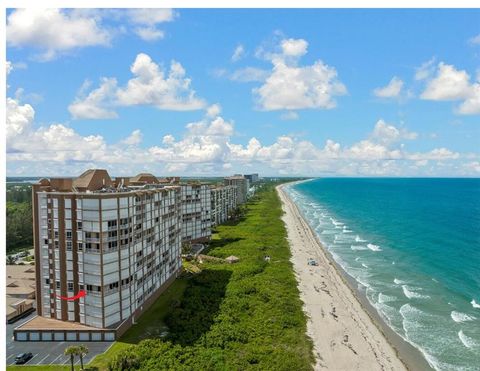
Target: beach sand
x,y
344,336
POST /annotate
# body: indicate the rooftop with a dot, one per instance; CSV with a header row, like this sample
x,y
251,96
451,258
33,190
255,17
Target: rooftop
x,y
43,323
99,181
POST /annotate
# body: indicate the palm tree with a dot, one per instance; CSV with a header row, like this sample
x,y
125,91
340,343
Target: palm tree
x,y
82,351
71,351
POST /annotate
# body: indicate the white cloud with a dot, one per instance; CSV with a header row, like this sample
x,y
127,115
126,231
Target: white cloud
x,y
151,86
448,84
238,53
9,67
471,105
475,40
208,147
134,139
214,110
426,70
387,133
249,74
93,105
149,33
294,47
392,90
54,31
289,115
19,119
435,154
151,16
148,19
453,84
292,87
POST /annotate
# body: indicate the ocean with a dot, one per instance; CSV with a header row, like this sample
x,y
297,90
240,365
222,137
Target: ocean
x,y
413,247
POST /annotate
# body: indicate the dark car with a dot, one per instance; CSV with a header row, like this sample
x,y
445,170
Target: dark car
x,y
23,358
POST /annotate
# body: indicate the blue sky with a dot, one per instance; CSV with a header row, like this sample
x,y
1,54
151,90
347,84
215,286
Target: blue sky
x,y
212,92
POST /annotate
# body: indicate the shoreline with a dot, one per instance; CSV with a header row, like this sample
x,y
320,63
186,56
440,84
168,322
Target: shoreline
x,y
346,330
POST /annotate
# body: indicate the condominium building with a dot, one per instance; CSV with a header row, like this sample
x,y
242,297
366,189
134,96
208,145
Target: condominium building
x,y
224,201
118,240
196,212
252,178
242,185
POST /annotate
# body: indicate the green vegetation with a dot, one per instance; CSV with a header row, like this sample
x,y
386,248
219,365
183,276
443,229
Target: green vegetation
x,y
221,316
230,316
19,226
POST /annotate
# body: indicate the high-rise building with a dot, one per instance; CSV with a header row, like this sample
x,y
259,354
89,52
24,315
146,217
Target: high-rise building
x,y
117,241
252,178
196,212
224,201
242,185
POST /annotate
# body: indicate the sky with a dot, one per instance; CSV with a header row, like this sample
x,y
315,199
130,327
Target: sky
x,y
281,92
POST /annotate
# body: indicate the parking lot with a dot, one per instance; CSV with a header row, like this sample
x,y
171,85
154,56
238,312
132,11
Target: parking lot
x,y
47,353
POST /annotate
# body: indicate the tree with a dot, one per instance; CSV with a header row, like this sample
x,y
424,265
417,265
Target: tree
x,y
125,361
82,352
186,248
71,351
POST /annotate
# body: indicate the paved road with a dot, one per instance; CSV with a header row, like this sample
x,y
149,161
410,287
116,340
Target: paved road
x,y
47,352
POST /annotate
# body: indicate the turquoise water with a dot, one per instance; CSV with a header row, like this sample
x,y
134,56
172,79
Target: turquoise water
x,y
413,246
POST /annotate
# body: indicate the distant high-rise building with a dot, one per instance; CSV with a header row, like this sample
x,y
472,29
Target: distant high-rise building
x,y
242,185
196,212
224,201
117,241
252,178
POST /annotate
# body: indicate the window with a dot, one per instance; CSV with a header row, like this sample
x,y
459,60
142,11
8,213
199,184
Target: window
x,y
80,246
69,245
69,235
80,287
56,244
112,223
56,234
79,226
57,285
89,287
45,241
70,286
47,281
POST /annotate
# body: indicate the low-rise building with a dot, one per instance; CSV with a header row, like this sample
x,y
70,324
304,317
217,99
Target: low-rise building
x,y
20,291
118,241
224,201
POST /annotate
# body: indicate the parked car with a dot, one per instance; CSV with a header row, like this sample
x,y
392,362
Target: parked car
x,y
23,358
312,262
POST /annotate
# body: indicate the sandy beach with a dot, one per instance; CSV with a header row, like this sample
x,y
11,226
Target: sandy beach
x,y
344,335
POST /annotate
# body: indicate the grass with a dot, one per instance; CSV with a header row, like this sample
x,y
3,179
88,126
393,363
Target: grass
x,y
226,316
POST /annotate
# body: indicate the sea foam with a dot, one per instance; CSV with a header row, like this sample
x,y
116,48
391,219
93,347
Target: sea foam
x,y
467,341
398,282
461,317
475,304
358,247
382,298
373,247
358,239
411,294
